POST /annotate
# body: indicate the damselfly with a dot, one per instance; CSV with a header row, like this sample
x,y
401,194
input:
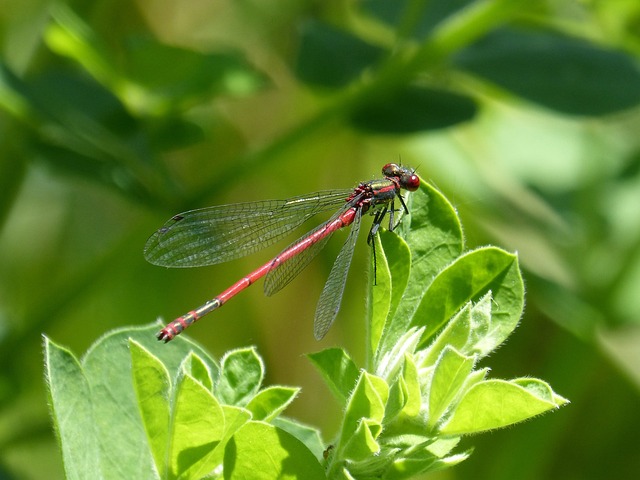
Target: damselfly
x,y
218,234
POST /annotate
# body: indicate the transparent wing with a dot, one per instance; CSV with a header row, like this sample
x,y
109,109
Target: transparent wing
x,y
280,275
331,297
211,235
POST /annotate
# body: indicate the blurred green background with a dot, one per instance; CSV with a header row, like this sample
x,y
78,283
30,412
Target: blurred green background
x,y
115,115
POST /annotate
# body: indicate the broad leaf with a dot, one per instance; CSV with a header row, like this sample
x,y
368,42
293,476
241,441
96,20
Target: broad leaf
x,y
434,235
271,401
241,374
330,57
469,278
566,74
498,403
338,370
413,109
261,451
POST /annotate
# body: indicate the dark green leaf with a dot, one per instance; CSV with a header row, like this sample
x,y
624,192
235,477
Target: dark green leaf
x,y
413,109
411,17
330,57
176,76
566,74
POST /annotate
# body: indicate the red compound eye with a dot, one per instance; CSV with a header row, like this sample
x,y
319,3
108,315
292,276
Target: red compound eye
x,y
411,183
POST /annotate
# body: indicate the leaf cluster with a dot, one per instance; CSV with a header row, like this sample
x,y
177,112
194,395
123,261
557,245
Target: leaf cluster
x,y
132,406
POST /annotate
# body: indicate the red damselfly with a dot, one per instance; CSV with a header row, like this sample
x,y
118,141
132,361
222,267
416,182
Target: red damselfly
x,y
217,234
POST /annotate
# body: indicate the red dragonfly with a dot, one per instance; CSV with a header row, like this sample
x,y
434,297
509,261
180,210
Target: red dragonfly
x,y
218,234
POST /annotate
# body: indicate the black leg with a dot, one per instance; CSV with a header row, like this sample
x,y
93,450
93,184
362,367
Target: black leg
x,y
377,220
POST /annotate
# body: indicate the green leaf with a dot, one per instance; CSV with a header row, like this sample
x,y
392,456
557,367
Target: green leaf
x,y
125,451
379,301
193,75
398,398
197,427
422,461
498,403
434,235
469,331
308,435
398,256
412,382
330,57
451,371
566,74
368,400
393,268
411,17
413,109
116,426
271,401
72,412
392,361
362,444
141,79
241,374
338,370
234,418
153,390
260,451
470,277
199,370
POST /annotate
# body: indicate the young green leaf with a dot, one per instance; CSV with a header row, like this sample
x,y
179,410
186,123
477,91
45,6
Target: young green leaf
x,y
197,426
411,379
434,235
198,369
116,427
393,265
260,451
494,404
270,402
379,300
308,435
72,412
152,385
362,444
368,400
469,331
241,374
338,370
398,255
469,278
447,380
